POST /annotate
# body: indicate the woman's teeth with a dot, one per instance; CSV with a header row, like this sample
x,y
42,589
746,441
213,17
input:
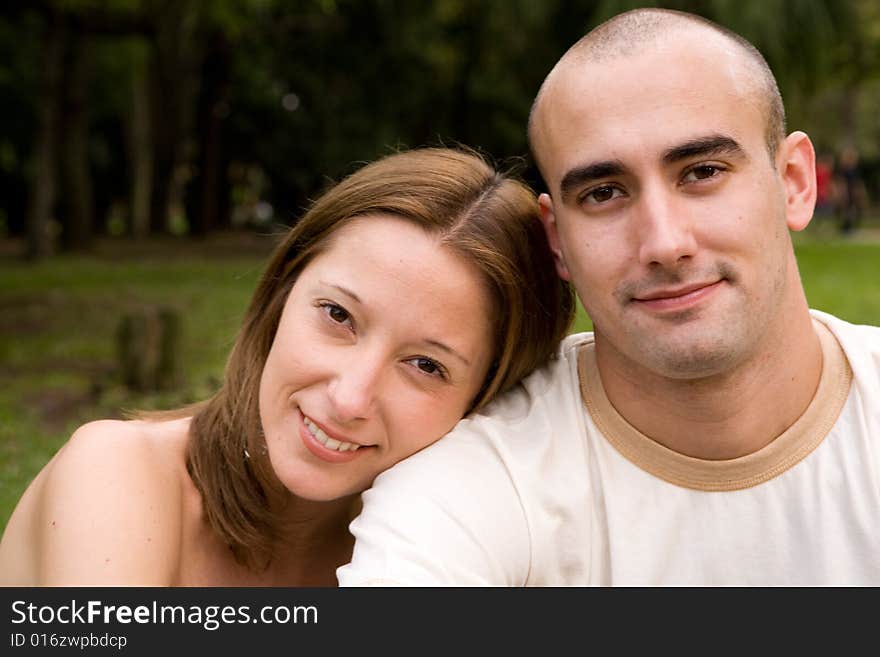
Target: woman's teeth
x,y
326,440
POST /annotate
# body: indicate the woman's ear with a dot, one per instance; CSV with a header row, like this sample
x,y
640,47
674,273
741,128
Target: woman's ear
x,y
548,218
796,163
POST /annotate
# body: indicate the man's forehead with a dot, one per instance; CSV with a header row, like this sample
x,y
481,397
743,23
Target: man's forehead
x,y
682,42
616,98
682,48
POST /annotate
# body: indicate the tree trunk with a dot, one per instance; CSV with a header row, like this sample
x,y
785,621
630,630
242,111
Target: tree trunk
x,y
170,82
76,184
140,147
43,186
208,188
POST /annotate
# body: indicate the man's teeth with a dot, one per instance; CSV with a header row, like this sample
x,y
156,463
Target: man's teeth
x,y
326,440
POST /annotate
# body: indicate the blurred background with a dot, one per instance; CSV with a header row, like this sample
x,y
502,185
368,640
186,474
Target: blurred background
x,y
152,150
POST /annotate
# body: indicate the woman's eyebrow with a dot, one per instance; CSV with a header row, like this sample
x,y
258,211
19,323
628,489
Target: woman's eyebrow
x,y
448,350
342,289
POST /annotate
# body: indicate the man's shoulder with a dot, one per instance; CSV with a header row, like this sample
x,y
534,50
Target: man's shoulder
x,y
551,386
514,458
852,337
860,344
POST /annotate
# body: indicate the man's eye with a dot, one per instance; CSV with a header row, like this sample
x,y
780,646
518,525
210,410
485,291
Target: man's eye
x,y
602,194
702,172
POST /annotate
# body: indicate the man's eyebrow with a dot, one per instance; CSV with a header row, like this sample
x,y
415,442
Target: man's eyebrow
x,y
703,146
577,177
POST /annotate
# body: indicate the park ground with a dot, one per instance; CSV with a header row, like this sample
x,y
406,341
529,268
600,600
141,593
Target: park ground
x,y
59,319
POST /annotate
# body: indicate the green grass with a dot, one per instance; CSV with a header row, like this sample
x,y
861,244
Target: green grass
x,y
842,278
58,319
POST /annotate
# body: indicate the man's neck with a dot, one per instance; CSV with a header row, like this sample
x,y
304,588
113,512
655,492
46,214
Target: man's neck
x,y
742,410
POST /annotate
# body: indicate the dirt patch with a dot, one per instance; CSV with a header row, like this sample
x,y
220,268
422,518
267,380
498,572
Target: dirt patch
x,y
57,407
93,370
22,314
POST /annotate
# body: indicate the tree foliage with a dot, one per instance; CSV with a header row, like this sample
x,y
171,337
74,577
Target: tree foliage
x,y
194,115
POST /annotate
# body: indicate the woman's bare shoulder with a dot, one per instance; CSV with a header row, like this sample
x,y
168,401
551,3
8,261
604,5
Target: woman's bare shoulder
x,y
106,510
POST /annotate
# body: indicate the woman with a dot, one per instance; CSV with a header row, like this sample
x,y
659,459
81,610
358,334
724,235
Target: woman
x,y
409,295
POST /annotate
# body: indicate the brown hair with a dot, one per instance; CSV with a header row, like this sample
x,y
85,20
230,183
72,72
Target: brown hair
x,y
489,218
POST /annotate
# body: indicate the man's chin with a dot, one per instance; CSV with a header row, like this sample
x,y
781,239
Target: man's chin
x,y
697,360
694,350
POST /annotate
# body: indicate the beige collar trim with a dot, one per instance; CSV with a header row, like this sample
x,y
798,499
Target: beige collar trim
x,y
783,453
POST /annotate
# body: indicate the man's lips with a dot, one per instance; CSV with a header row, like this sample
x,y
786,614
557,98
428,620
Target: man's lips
x,y
673,293
677,298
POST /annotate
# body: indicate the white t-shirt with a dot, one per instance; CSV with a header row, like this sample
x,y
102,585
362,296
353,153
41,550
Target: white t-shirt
x,y
549,486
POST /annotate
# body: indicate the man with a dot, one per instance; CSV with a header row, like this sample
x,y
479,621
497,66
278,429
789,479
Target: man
x,y
712,430
852,195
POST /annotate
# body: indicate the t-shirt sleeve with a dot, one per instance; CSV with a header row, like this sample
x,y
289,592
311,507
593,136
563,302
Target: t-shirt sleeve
x,y
447,516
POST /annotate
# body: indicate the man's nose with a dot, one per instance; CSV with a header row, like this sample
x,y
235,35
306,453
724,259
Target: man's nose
x,y
354,387
665,228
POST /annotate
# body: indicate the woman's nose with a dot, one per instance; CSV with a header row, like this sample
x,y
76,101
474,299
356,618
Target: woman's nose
x,y
353,389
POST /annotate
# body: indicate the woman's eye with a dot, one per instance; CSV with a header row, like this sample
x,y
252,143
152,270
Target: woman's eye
x,y
337,313
428,366
602,194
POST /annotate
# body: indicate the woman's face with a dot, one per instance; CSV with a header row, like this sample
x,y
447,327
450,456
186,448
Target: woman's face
x,y
383,343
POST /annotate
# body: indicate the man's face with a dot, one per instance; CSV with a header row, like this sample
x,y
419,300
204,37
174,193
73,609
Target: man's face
x,y
667,213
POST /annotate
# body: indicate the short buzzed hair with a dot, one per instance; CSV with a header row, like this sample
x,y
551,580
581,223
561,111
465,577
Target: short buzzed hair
x,y
622,34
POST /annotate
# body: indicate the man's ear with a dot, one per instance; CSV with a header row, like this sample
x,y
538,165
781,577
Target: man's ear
x,y
797,166
548,218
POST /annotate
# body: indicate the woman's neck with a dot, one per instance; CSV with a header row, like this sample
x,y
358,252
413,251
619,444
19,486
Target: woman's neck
x,y
313,540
